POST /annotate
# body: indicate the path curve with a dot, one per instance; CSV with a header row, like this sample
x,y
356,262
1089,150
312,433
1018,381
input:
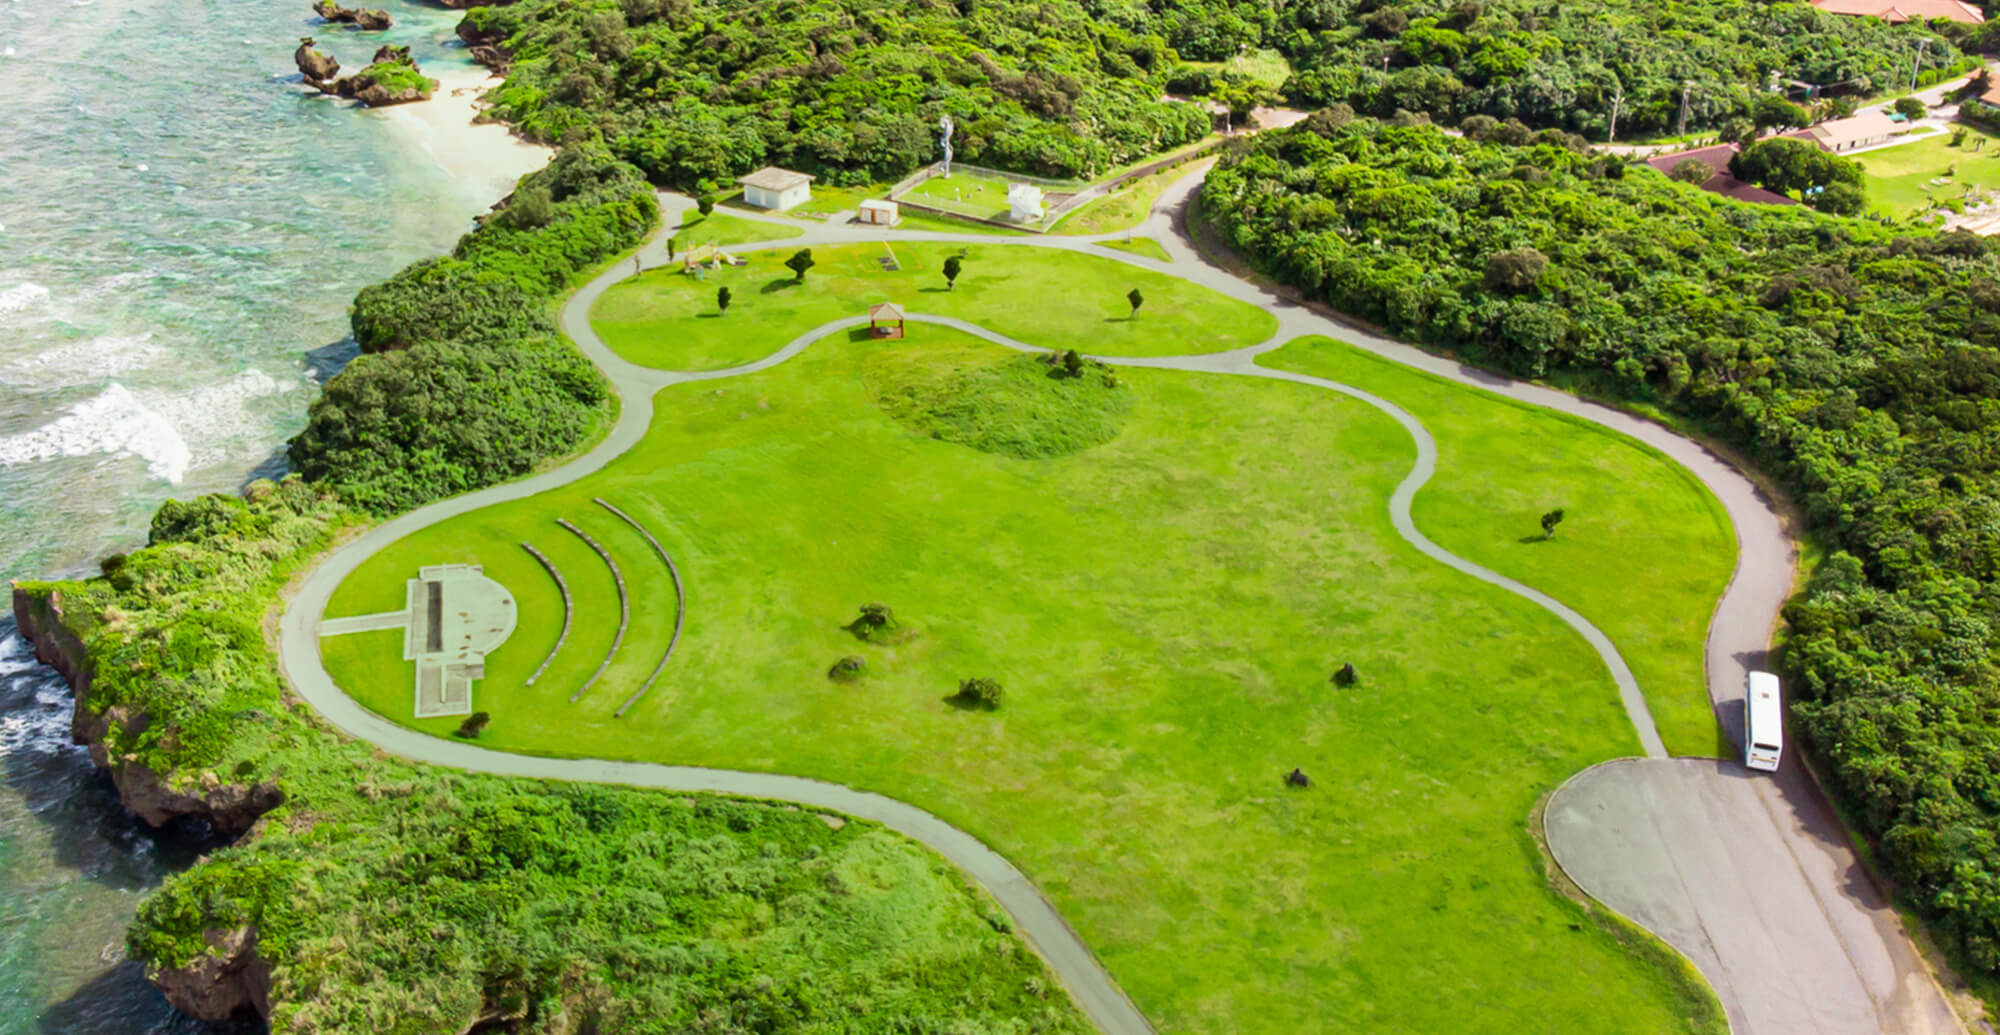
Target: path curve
x,y
1739,633
624,608
680,605
568,610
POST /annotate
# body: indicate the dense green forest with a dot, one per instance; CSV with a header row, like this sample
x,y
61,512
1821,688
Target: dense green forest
x,y
467,382
1854,361
1568,65
696,93
392,898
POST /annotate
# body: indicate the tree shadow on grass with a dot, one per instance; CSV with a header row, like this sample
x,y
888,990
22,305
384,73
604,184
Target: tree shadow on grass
x,y
779,284
707,316
1533,539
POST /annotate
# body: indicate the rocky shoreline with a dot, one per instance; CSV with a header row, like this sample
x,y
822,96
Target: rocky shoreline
x,y
233,982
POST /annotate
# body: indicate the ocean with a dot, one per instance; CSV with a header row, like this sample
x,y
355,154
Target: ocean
x,y
182,227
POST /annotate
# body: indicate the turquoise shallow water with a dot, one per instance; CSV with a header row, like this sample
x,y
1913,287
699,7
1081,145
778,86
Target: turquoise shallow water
x,y
181,229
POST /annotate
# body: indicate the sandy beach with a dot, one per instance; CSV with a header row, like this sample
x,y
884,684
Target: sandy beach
x,y
486,158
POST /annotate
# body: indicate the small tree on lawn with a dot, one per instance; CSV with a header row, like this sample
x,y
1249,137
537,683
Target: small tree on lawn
x,y
1133,296
800,262
979,693
704,205
1549,522
474,725
1910,108
952,264
1072,364
722,299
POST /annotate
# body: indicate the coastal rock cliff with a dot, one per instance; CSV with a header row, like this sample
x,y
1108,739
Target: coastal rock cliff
x,y
229,809
232,982
367,18
484,44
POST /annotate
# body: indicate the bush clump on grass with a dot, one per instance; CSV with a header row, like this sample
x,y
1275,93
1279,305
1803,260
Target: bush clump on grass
x,y
1026,407
847,669
980,692
875,624
474,725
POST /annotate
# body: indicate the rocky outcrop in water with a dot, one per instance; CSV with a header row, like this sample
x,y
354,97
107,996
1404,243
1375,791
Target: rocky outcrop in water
x,y
466,5
232,982
367,18
319,69
229,809
393,78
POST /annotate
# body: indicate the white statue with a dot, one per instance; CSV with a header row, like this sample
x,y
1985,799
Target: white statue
x,y
944,140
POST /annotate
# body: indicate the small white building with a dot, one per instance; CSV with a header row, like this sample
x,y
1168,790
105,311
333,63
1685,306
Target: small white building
x,y
1865,129
879,213
1024,202
776,189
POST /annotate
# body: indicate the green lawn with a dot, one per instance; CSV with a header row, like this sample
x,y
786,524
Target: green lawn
x,y
667,319
1164,610
721,227
1145,246
1263,65
1898,179
1123,210
978,194
1643,551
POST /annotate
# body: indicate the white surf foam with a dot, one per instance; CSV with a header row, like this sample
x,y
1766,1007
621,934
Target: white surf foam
x,y
21,297
81,362
113,422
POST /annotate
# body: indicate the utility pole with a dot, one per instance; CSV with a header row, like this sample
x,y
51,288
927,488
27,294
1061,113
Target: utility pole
x,y
1918,63
1681,126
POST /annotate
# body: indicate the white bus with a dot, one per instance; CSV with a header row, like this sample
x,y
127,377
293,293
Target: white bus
x,y
1763,722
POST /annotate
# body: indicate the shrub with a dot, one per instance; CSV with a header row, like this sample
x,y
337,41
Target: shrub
x,y
875,622
847,669
473,726
981,693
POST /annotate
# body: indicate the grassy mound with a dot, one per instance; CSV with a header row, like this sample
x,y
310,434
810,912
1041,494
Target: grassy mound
x,y
1022,406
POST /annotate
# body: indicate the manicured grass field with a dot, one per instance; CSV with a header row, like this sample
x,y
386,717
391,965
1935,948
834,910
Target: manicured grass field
x,y
1127,208
720,227
1145,246
1898,179
1643,551
1163,610
1263,65
979,194
1055,299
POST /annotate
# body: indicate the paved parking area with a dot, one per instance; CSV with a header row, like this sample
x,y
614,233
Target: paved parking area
x,y
1716,860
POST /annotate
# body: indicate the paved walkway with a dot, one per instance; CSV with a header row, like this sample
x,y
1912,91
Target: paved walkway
x,y
1738,635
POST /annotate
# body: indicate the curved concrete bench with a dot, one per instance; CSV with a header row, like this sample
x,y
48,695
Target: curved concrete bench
x,y
562,636
624,607
680,605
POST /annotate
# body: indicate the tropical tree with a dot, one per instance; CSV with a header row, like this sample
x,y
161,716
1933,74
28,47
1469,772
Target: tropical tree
x,y
952,264
1133,296
722,297
1549,522
800,262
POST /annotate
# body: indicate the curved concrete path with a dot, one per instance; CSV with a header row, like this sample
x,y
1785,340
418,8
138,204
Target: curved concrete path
x,y
1738,635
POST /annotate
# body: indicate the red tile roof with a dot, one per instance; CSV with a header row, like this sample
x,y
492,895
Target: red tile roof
x,y
1905,10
